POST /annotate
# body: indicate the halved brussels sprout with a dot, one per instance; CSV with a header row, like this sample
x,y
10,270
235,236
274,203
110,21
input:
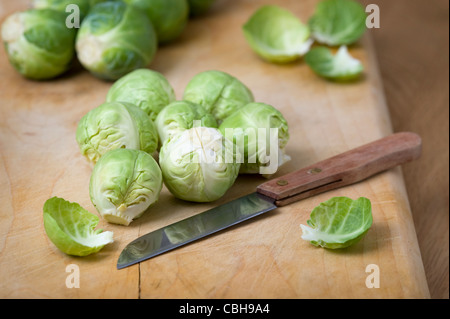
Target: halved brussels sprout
x,y
115,39
199,164
341,66
123,185
277,35
338,22
261,133
38,43
145,88
180,116
169,17
199,7
339,222
218,92
71,228
61,5
115,125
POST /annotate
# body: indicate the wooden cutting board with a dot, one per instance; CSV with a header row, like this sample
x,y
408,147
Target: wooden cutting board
x,y
261,258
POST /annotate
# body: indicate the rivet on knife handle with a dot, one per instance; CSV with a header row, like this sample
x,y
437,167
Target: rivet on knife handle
x,y
344,169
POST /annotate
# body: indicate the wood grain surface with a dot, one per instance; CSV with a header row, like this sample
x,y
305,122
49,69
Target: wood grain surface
x,y
262,258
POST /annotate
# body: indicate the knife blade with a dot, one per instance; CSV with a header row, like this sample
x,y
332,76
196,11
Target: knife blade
x,y
341,170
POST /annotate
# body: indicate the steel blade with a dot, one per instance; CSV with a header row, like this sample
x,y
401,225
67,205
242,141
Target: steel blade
x,y
195,227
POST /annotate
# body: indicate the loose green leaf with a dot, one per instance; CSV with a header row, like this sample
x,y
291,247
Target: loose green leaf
x,y
339,222
71,228
341,66
338,22
277,35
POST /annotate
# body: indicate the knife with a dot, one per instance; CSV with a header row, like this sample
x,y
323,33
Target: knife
x,y
341,170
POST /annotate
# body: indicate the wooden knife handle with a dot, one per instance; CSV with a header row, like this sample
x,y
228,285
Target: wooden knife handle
x,y
344,169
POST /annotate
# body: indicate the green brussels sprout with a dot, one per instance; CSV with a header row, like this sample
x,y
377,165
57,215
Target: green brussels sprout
x,y
169,17
71,228
115,39
276,35
115,125
338,22
251,129
180,116
145,88
61,5
38,43
123,185
339,222
341,66
199,164
218,92
199,7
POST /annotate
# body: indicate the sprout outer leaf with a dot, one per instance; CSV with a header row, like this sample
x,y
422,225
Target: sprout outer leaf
x,y
71,228
339,222
277,35
338,22
341,66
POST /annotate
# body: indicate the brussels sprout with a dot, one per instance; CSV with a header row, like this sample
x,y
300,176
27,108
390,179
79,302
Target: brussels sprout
x,y
38,43
180,116
71,228
115,39
199,164
251,130
124,183
61,5
115,125
145,88
199,7
339,222
341,66
338,22
218,92
169,17
276,35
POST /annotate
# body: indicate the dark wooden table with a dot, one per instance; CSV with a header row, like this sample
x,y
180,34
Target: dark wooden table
x,y
412,46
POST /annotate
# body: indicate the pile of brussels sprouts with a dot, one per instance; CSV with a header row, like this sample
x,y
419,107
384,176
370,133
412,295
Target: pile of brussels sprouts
x,y
142,137
114,37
